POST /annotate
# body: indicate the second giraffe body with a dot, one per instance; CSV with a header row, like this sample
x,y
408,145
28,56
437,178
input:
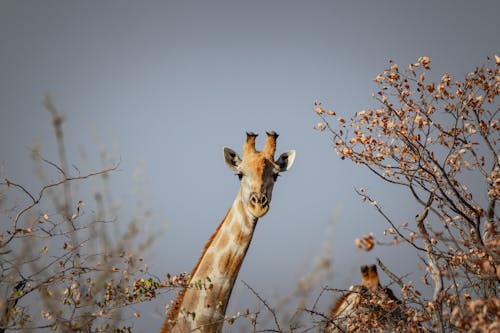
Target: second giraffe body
x,y
366,306
201,306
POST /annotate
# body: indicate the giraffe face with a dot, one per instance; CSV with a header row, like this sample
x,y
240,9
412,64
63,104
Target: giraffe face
x,y
369,277
258,171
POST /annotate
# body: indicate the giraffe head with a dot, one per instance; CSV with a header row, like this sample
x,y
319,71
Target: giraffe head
x,y
369,277
258,171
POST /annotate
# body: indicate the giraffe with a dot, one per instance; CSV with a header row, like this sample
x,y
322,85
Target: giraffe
x,y
369,305
201,306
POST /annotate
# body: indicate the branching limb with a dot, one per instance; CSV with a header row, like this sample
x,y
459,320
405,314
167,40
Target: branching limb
x,y
433,265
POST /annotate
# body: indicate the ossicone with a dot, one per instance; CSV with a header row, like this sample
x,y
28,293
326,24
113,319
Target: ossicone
x,y
270,147
249,146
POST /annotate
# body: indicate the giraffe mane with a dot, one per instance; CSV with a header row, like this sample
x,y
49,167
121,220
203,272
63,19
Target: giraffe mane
x,y
338,304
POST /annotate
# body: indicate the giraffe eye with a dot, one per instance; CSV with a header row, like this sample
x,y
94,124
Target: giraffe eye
x,y
275,176
240,175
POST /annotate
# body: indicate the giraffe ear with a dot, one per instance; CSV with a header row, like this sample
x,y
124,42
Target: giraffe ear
x,y
285,161
232,158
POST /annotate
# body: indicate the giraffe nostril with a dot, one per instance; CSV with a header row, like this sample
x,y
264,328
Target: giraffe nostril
x,y
254,198
259,199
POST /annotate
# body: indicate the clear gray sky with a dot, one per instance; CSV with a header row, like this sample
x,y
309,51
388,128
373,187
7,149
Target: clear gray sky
x,y
166,84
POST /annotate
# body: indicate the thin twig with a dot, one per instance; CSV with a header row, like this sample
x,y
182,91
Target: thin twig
x,y
263,301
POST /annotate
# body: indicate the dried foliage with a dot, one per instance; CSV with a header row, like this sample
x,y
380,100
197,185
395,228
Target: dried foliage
x,y
64,264
440,141
370,307
372,311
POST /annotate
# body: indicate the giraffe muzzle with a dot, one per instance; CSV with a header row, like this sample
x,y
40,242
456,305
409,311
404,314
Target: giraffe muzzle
x,y
259,204
259,199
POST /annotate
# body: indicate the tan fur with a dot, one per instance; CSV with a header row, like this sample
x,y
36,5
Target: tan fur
x,y
222,243
206,264
241,239
339,304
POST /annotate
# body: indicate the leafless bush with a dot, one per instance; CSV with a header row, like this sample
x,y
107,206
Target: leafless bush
x,y
65,263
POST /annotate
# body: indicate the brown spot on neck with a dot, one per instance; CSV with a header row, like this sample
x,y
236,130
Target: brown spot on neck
x,y
222,241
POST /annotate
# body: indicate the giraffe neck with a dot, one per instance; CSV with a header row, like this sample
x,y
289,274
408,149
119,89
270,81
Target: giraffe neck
x,y
201,307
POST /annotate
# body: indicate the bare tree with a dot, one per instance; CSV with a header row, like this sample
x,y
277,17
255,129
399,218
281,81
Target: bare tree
x,y
66,264
440,142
